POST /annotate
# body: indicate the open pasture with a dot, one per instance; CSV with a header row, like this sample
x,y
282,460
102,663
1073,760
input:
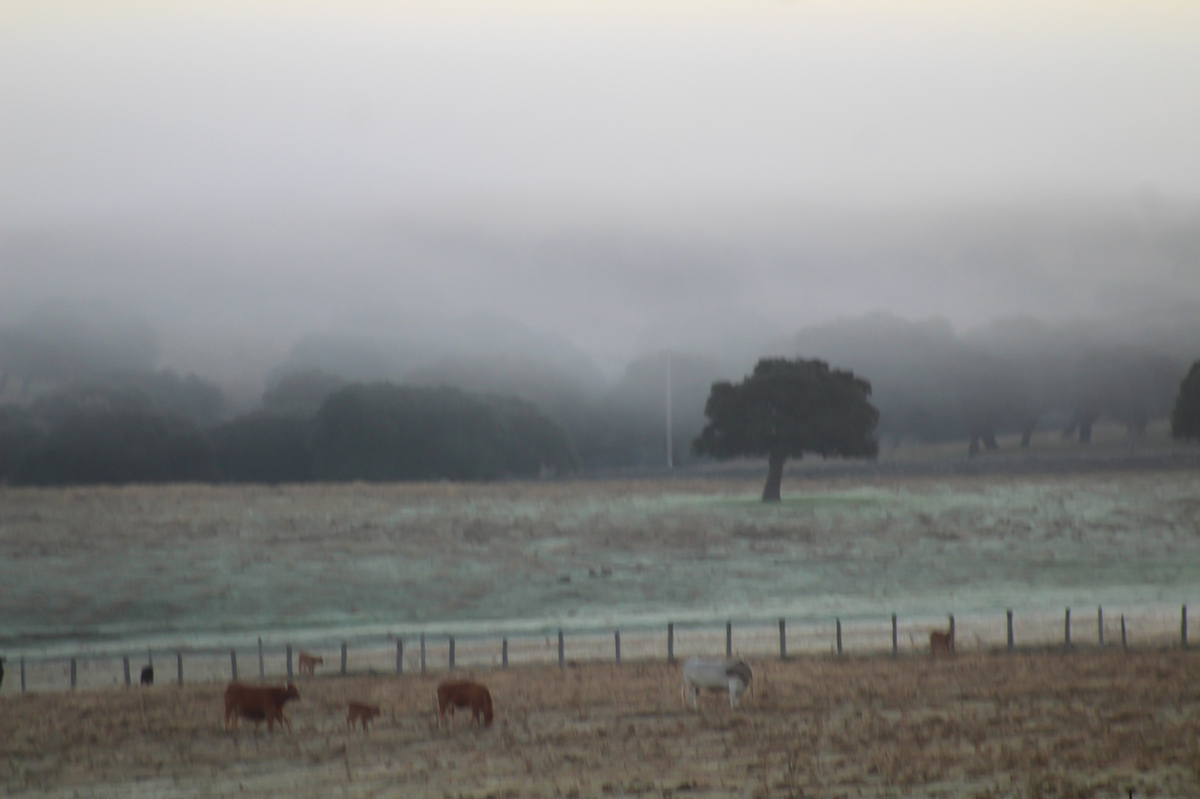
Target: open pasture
x,y
1086,724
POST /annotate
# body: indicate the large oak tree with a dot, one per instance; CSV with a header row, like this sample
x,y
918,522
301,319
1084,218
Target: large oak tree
x,y
785,409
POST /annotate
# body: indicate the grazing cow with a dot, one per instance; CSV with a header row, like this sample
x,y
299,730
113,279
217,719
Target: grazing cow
x,y
360,711
148,675
309,662
941,641
715,674
258,703
464,694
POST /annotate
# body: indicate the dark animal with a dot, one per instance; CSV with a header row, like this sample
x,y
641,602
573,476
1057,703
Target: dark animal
x,y
941,641
360,711
258,703
148,675
308,663
465,694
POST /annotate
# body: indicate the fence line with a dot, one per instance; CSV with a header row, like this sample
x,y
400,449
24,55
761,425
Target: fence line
x,y
753,639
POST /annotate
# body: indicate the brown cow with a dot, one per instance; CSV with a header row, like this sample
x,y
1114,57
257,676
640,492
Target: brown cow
x,y
258,703
464,694
360,711
940,641
308,663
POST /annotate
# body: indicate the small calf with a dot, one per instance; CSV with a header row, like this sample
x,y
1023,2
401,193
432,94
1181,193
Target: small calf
x,y
941,641
361,712
148,675
308,663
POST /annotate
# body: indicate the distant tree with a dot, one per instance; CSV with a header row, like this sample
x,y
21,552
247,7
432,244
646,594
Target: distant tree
x,y
164,393
785,409
116,447
264,447
1185,418
384,432
20,434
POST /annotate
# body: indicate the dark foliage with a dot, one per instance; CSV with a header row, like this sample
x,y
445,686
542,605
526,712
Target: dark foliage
x,y
384,432
264,447
785,409
302,391
115,447
1185,418
164,393
20,435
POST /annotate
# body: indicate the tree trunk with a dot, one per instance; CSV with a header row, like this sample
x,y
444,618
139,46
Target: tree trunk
x,y
774,477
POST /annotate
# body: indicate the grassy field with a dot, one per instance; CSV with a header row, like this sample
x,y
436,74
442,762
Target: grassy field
x,y
1087,724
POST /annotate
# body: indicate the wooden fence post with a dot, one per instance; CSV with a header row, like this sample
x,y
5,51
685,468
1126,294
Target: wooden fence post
x,y
72,674
782,640
895,639
839,637
22,674
1100,624
179,666
1124,643
289,662
399,657
1067,629
504,654
422,653
262,671
1183,627
728,639
125,662
560,648
671,642
233,664
1010,630
343,658
617,639
452,653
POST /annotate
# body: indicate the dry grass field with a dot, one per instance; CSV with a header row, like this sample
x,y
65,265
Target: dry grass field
x,y
1082,724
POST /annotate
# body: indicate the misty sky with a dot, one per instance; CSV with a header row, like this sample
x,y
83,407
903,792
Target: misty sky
x,y
608,171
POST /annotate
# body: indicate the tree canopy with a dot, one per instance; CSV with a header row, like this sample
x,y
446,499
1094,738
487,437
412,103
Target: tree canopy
x,y
1185,419
785,409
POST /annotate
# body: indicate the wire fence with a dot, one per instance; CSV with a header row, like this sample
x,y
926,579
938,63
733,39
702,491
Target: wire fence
x,y
1071,628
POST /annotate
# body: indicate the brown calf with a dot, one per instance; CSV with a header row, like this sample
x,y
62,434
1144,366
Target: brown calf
x,y
258,704
362,712
309,662
941,641
464,694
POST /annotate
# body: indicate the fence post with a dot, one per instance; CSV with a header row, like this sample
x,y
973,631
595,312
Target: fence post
x,y
72,674
1067,629
422,653
125,662
839,637
504,654
233,663
1010,631
560,648
289,662
262,671
895,640
399,657
728,639
1124,644
670,642
782,640
452,653
179,666
343,658
22,674
1100,624
951,625
617,639
1183,627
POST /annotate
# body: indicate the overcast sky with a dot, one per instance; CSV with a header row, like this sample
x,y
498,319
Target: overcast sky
x,y
685,137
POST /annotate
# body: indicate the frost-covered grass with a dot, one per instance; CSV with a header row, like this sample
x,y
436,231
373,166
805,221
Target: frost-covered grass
x,y
103,568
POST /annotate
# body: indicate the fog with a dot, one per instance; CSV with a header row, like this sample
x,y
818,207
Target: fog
x,y
383,190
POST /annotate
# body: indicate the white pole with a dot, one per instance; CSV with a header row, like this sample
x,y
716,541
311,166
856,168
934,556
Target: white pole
x,y
670,445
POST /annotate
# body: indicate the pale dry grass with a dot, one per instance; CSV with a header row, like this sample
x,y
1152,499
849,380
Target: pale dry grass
x,y
1041,725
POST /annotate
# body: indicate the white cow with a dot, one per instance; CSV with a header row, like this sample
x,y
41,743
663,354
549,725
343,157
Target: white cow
x,y
715,674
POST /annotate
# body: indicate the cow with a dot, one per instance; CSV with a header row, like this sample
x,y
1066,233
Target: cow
x,y
463,693
714,674
148,675
258,703
941,641
308,663
360,711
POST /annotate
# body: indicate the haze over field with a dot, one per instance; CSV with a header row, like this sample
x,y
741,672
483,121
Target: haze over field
x,y
596,182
